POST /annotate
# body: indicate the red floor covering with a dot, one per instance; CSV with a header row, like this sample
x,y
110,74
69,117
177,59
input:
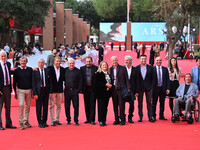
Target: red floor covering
x,y
160,135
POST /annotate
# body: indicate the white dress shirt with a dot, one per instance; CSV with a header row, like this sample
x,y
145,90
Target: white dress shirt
x,y
143,71
115,75
4,73
129,72
57,71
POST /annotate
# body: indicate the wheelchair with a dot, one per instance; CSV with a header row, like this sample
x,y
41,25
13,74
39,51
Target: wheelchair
x,y
194,113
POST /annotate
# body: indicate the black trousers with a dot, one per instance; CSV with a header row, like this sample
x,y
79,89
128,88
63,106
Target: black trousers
x,y
90,104
131,109
158,92
72,96
148,101
118,105
100,59
102,109
42,106
6,99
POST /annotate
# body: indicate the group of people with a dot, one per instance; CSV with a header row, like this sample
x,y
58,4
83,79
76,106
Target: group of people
x,y
122,83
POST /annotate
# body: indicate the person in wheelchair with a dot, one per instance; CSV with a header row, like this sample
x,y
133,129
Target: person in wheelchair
x,y
186,94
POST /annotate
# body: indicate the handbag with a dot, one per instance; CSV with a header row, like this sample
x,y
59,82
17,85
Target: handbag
x,y
126,95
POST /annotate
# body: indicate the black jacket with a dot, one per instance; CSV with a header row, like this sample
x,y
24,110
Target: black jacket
x,y
56,86
100,88
37,81
83,73
148,82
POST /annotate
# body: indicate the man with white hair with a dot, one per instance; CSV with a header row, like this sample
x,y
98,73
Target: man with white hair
x,y
5,89
41,86
73,85
133,79
120,78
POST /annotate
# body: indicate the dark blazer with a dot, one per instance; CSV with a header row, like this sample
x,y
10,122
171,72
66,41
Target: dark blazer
x,y
83,73
37,81
2,77
76,80
148,82
100,88
122,77
165,79
101,51
56,86
134,82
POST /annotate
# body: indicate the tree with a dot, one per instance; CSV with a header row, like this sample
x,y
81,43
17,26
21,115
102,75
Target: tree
x,y
176,13
25,12
69,3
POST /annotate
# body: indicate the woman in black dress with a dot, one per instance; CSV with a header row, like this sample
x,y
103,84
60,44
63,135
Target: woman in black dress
x,y
102,88
152,54
174,76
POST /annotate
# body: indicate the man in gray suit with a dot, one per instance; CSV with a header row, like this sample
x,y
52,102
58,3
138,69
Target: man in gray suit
x,y
186,93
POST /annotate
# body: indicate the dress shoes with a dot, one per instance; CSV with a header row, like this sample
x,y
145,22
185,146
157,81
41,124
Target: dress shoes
x,y
151,120
45,125
41,125
68,122
116,122
154,118
2,128
101,124
27,124
92,123
22,126
53,124
11,127
130,120
104,124
122,123
87,121
140,119
162,118
76,123
58,123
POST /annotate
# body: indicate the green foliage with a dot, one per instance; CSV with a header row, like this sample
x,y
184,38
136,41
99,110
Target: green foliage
x,y
26,12
69,3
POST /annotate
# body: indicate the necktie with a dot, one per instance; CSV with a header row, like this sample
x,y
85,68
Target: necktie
x,y
159,77
42,78
6,74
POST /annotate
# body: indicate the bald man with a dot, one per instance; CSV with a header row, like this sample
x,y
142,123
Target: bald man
x,y
5,89
73,86
160,88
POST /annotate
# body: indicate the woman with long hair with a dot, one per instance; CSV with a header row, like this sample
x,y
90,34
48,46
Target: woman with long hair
x,y
102,88
174,76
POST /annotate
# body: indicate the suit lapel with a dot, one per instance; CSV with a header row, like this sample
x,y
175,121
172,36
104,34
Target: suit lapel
x,y
190,89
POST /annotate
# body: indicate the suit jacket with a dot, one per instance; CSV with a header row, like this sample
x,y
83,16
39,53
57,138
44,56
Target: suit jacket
x,y
76,79
148,82
101,51
165,79
37,81
121,78
56,86
2,77
192,91
100,88
83,73
195,73
134,82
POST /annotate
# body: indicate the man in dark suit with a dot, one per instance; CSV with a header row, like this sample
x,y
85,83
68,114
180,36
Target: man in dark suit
x,y
101,53
160,88
5,89
73,85
88,72
56,90
134,82
146,81
120,78
41,92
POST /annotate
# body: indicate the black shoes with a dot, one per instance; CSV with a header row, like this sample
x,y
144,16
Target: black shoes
x,y
104,124
140,119
45,125
41,125
58,123
87,121
130,120
116,122
151,120
122,123
11,127
101,124
76,123
53,124
162,118
2,128
154,118
92,123
68,122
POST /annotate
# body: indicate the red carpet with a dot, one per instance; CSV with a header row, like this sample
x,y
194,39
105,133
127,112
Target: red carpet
x,y
160,135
